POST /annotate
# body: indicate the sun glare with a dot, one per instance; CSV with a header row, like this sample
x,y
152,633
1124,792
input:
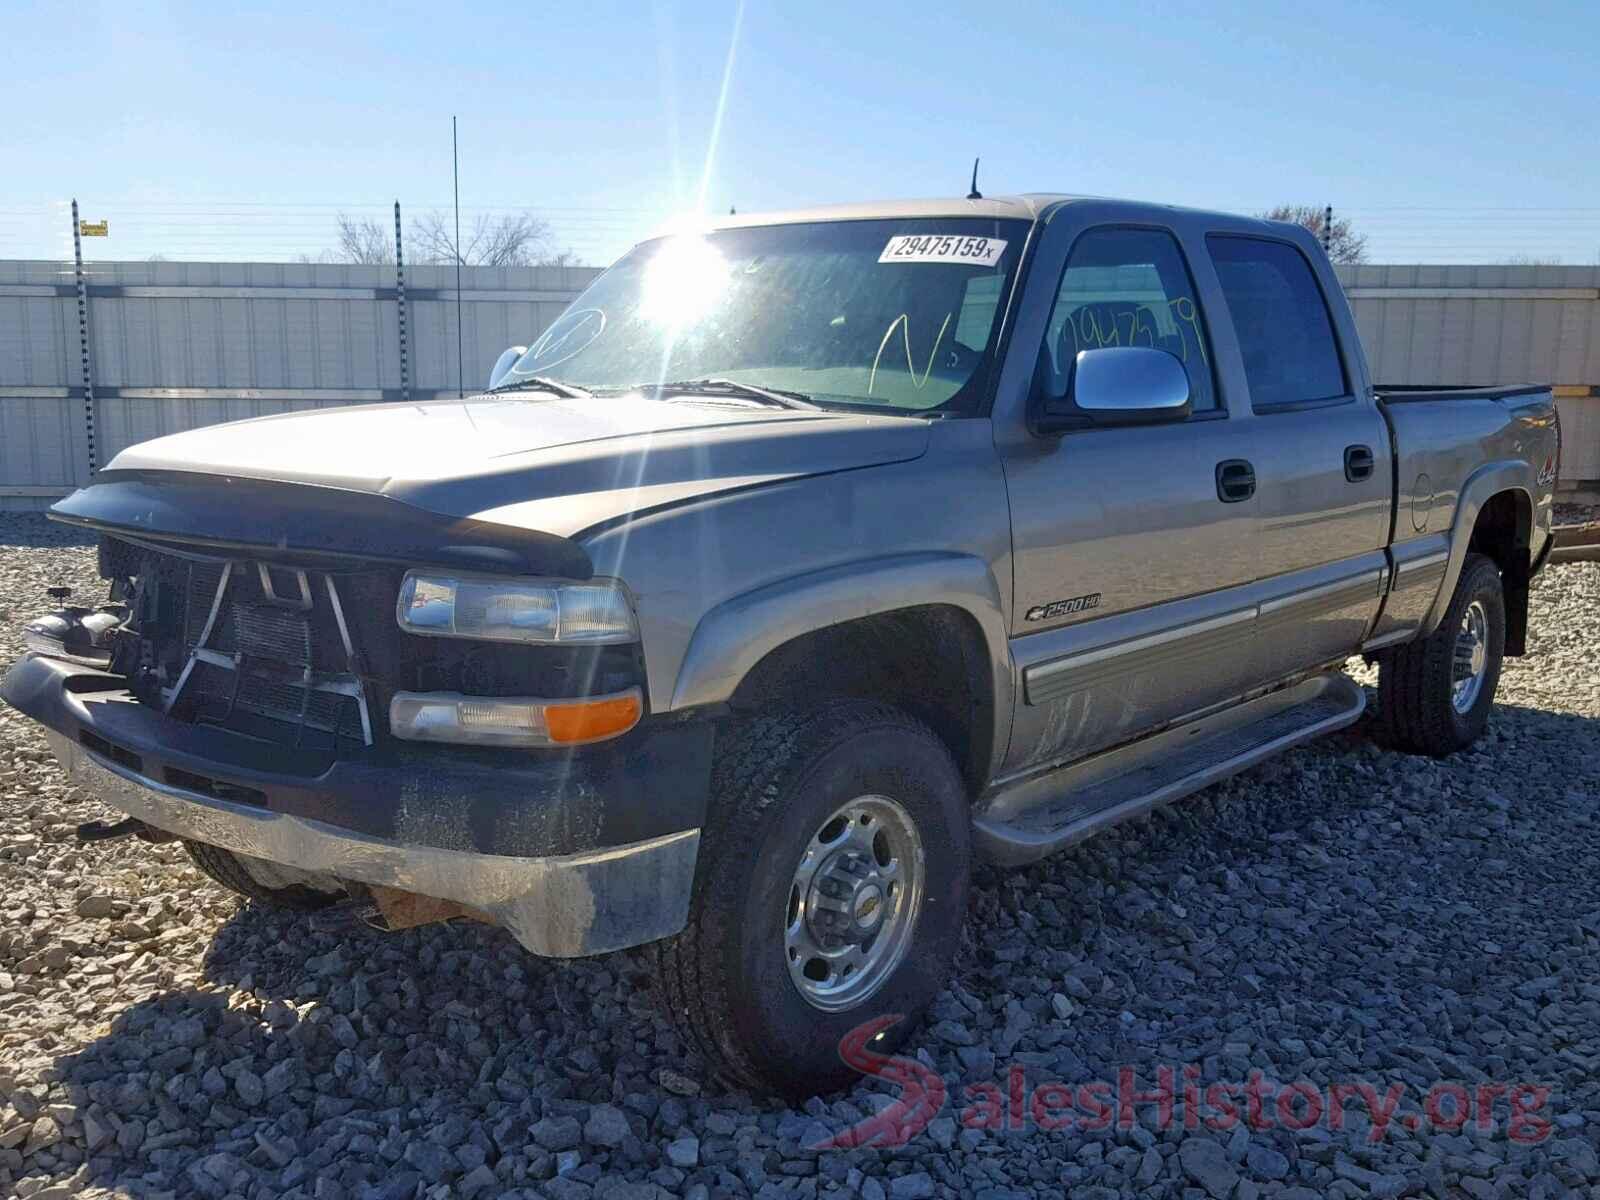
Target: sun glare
x,y
683,282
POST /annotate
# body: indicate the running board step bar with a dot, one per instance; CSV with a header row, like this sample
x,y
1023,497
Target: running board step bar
x,y
1022,822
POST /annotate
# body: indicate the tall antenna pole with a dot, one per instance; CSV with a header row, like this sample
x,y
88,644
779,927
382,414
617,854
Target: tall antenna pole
x,y
455,170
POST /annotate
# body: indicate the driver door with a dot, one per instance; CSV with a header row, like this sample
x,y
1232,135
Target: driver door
x,y
1130,557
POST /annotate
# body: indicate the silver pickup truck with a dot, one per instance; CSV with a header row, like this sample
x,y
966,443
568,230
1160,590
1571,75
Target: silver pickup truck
x,y
805,560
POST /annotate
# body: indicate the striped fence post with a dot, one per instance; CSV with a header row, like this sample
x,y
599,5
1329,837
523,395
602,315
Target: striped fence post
x,y
400,296
83,337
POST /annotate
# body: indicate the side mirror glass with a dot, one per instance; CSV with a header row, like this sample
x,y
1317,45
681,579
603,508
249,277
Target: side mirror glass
x,y
504,363
1118,385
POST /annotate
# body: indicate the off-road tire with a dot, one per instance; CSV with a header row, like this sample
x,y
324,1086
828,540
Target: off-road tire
x,y
724,981
227,868
1415,713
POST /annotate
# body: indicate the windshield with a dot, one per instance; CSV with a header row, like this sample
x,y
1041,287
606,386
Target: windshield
x,y
898,314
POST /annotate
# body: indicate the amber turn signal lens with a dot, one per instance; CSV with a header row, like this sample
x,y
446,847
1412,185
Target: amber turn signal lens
x,y
591,720
512,720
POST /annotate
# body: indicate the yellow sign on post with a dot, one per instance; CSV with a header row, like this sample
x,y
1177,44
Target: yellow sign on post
x,y
94,228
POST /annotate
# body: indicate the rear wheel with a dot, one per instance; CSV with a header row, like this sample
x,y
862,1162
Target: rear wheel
x,y
266,882
831,890
1434,694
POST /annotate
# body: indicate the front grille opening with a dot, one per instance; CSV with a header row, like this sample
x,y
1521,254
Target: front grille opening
x,y
307,657
237,793
254,704
96,744
255,648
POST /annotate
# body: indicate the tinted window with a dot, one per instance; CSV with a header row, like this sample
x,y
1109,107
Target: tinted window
x,y
1281,319
1128,287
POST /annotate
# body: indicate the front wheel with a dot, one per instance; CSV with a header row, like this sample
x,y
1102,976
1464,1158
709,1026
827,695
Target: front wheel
x,y
1434,694
831,891
265,882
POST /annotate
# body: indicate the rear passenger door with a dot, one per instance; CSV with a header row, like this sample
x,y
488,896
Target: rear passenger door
x,y
1321,457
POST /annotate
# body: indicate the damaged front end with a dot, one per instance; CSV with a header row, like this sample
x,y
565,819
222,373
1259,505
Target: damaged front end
x,y
72,633
261,648
238,688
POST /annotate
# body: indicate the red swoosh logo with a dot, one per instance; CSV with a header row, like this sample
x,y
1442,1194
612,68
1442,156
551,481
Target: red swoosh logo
x,y
922,1091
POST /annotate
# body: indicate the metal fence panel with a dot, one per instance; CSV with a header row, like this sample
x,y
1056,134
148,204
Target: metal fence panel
x,y
1490,324
39,446
177,345
34,333
1580,440
1478,324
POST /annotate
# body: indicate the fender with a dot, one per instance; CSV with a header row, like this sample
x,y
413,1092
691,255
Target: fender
x,y
737,634
1507,475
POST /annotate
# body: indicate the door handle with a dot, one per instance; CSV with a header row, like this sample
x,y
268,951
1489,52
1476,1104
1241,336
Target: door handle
x,y
1236,480
1358,463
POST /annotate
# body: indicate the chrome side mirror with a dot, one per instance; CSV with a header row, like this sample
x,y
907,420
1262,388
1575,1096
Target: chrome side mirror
x,y
503,364
1117,385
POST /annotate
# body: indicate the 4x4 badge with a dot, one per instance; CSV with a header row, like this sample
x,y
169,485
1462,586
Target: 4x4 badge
x,y
1063,608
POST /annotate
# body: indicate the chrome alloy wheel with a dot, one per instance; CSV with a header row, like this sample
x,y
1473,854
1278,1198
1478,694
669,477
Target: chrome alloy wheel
x,y
854,903
1471,658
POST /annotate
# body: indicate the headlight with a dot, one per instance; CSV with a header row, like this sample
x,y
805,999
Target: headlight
x,y
505,609
512,721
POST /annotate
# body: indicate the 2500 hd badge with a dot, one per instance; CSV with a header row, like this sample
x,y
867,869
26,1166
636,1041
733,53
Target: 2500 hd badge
x,y
1064,608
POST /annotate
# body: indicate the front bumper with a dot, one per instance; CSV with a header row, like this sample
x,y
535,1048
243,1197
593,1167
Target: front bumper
x,y
447,826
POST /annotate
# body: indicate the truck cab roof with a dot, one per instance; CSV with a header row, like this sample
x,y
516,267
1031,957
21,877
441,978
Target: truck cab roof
x,y
1026,206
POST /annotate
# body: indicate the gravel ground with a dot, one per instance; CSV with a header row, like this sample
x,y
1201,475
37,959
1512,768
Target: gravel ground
x,y
1344,915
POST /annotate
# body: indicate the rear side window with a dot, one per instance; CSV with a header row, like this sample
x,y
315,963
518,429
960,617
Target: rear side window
x,y
1128,287
1281,318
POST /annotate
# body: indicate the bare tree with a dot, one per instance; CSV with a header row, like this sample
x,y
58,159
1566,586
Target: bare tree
x,y
509,240
1345,245
363,240
1532,260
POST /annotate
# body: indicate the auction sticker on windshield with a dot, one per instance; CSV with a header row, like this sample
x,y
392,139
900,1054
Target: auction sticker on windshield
x,y
943,247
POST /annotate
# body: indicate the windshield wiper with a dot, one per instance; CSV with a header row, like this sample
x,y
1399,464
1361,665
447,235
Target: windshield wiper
x,y
541,383
731,387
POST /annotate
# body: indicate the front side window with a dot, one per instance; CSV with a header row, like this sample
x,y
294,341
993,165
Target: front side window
x,y
887,314
1127,287
1281,320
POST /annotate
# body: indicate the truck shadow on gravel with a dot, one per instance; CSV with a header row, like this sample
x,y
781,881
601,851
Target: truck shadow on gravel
x,y
1344,913
375,1059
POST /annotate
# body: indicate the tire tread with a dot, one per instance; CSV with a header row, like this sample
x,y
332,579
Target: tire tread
x,y
1414,712
748,777
224,867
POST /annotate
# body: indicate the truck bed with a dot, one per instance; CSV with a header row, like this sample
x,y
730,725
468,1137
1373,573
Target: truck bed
x,y
1412,393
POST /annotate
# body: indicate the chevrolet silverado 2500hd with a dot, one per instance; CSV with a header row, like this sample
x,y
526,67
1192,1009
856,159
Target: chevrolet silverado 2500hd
x,y
802,561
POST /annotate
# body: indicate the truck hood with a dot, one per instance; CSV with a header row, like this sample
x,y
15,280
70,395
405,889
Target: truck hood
x,y
556,465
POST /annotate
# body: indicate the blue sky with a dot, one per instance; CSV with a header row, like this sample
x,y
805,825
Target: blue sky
x,y
1446,127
